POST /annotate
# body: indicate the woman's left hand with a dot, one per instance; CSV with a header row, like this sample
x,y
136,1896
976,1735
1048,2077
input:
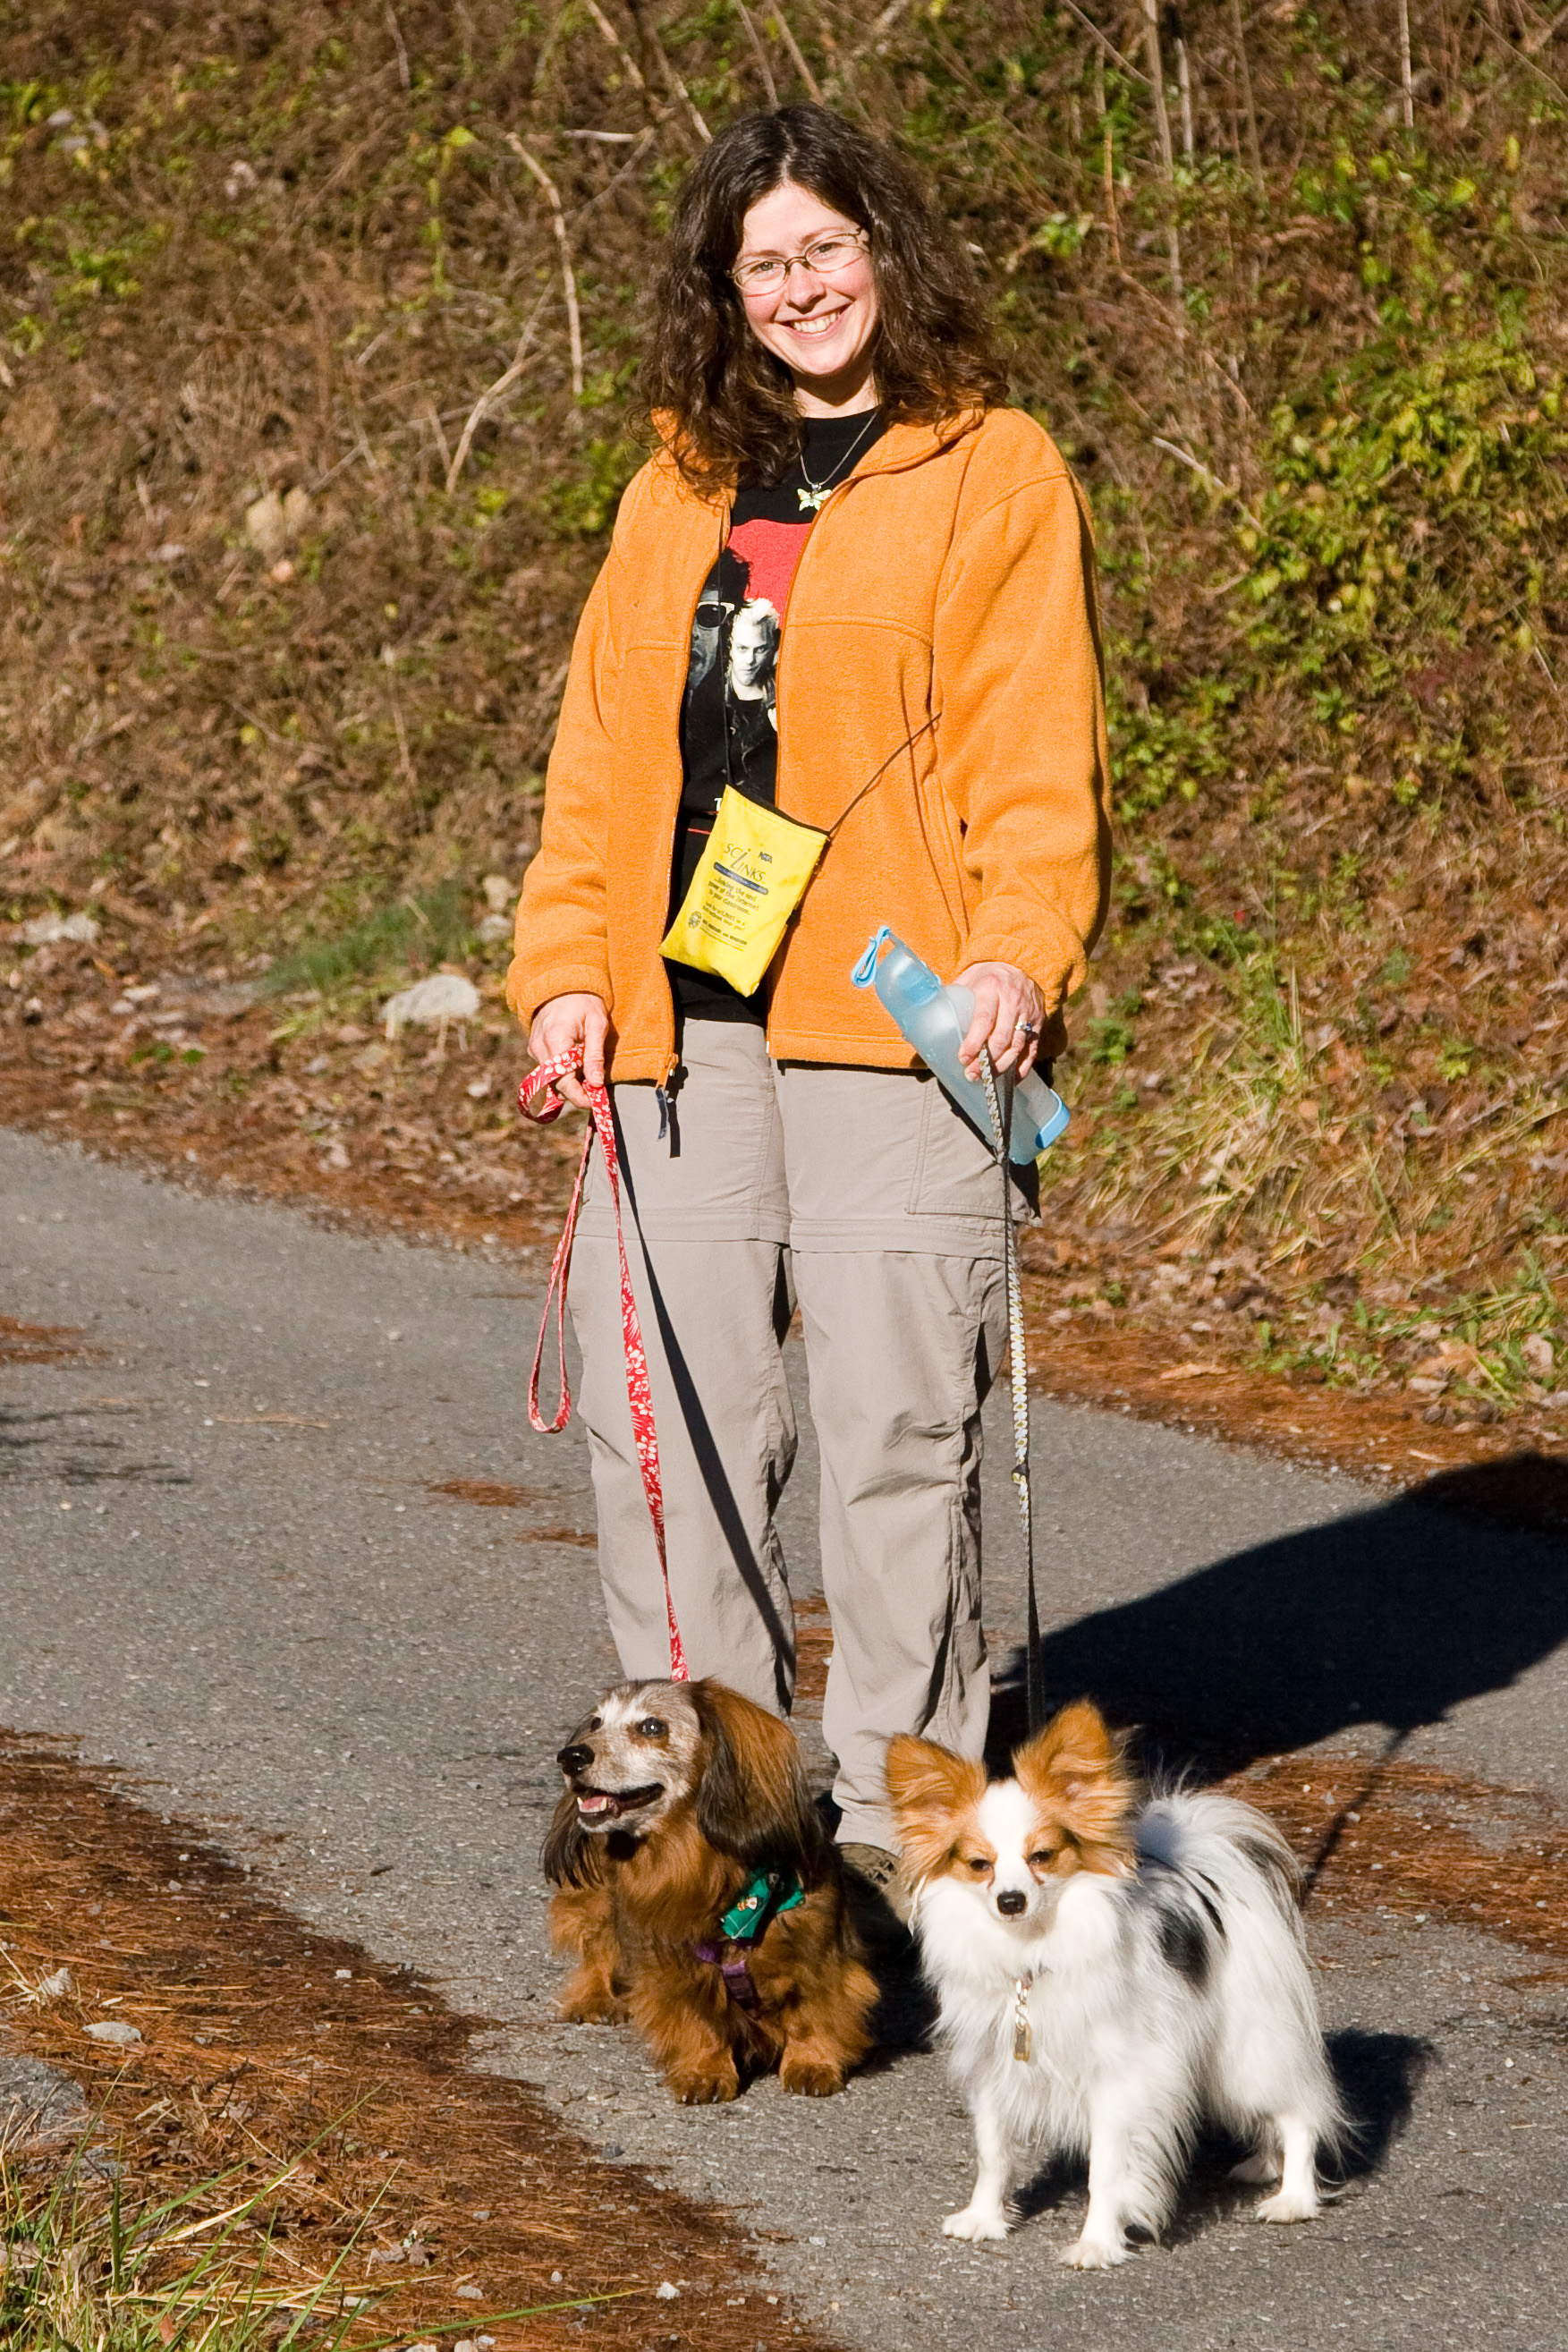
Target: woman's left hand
x,y
1008,1017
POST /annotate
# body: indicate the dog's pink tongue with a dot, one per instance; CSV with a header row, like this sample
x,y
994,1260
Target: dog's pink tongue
x,y
594,1804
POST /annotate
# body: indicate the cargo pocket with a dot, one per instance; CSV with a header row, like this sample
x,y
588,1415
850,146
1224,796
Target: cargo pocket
x,y
955,1176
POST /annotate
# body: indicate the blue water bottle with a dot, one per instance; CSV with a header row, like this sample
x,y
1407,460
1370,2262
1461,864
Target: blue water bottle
x,y
936,1021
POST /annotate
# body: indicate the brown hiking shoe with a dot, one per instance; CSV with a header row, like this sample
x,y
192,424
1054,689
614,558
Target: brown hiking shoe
x,y
878,1894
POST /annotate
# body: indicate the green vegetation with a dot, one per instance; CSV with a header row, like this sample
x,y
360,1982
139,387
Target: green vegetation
x,y
419,931
85,2268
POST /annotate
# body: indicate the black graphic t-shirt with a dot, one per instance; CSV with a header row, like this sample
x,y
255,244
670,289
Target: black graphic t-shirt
x,y
729,728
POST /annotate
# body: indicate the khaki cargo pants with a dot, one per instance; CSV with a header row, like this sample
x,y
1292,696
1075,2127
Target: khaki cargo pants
x,y
862,1196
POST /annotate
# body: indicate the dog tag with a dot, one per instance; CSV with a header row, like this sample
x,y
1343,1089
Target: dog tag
x,y
1023,2036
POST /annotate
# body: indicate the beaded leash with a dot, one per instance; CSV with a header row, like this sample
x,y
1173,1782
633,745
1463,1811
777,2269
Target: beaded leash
x,y
1000,1106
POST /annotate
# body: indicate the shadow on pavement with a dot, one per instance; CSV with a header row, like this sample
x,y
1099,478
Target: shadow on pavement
x,y
1378,2076
1392,1616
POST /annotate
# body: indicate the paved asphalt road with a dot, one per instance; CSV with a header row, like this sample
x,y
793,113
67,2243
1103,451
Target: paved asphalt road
x,y
223,1565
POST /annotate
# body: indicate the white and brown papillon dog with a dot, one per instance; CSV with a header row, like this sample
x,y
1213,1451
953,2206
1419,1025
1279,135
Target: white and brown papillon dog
x,y
1111,1973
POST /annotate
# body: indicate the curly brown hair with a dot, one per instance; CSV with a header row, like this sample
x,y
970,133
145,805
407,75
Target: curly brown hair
x,y
732,402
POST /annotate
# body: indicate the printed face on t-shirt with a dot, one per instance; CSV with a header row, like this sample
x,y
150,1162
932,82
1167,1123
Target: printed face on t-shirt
x,y
753,650
708,635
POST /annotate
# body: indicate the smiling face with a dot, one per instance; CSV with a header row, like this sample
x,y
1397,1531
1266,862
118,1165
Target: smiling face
x,y
629,1762
824,328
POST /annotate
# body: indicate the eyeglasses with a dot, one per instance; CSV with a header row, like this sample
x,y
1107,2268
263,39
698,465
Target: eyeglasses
x,y
770,272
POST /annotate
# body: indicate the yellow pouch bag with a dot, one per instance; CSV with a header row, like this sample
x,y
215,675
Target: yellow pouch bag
x,y
749,880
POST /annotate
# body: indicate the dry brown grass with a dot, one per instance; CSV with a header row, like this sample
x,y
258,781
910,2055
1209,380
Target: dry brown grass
x,y
281,2063
1418,1844
41,1343
328,1113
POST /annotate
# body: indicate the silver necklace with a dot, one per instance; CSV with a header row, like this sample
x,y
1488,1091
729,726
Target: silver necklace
x,y
813,498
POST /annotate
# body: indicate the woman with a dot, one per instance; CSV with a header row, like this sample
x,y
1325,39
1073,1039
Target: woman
x,y
853,586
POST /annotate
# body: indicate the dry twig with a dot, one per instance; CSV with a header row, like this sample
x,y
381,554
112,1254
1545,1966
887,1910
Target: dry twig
x,y
783,24
568,277
491,394
1167,158
1407,87
763,68
654,46
1244,71
405,763
633,70
1186,457
1109,48
402,73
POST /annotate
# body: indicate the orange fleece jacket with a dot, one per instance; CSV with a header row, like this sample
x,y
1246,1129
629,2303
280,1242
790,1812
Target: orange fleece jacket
x,y
950,580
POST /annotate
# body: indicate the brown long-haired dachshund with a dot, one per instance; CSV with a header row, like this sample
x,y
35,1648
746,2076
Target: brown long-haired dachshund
x,y
702,1896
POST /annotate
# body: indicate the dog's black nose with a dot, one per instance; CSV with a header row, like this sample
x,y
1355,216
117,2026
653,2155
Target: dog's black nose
x,y
1010,1901
573,1759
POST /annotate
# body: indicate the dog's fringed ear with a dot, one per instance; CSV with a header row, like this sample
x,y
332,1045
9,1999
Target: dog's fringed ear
x,y
752,1801
569,1856
1076,1769
929,1789
923,1778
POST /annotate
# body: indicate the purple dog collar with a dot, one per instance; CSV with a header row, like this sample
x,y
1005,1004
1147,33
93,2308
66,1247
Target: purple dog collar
x,y
736,1975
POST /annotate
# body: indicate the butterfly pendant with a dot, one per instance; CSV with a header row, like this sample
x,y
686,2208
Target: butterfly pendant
x,y
810,501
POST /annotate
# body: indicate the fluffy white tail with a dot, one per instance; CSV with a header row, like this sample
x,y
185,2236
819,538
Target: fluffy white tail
x,y
1268,2076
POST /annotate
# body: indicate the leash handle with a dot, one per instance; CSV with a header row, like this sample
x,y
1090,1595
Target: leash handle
x,y
538,1099
999,1103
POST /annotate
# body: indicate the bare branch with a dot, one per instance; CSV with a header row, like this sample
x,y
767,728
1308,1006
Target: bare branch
x,y
1184,84
654,48
1407,88
633,70
1253,149
638,151
568,278
438,433
1157,86
763,68
388,662
1111,192
880,30
1174,449
1167,160
402,52
793,46
1125,64
1521,56
1533,43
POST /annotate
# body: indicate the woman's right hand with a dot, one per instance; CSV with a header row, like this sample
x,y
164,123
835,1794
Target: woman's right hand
x,y
577,1026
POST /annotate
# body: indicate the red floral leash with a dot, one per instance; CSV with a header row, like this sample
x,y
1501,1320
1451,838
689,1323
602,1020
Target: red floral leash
x,y
639,1395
